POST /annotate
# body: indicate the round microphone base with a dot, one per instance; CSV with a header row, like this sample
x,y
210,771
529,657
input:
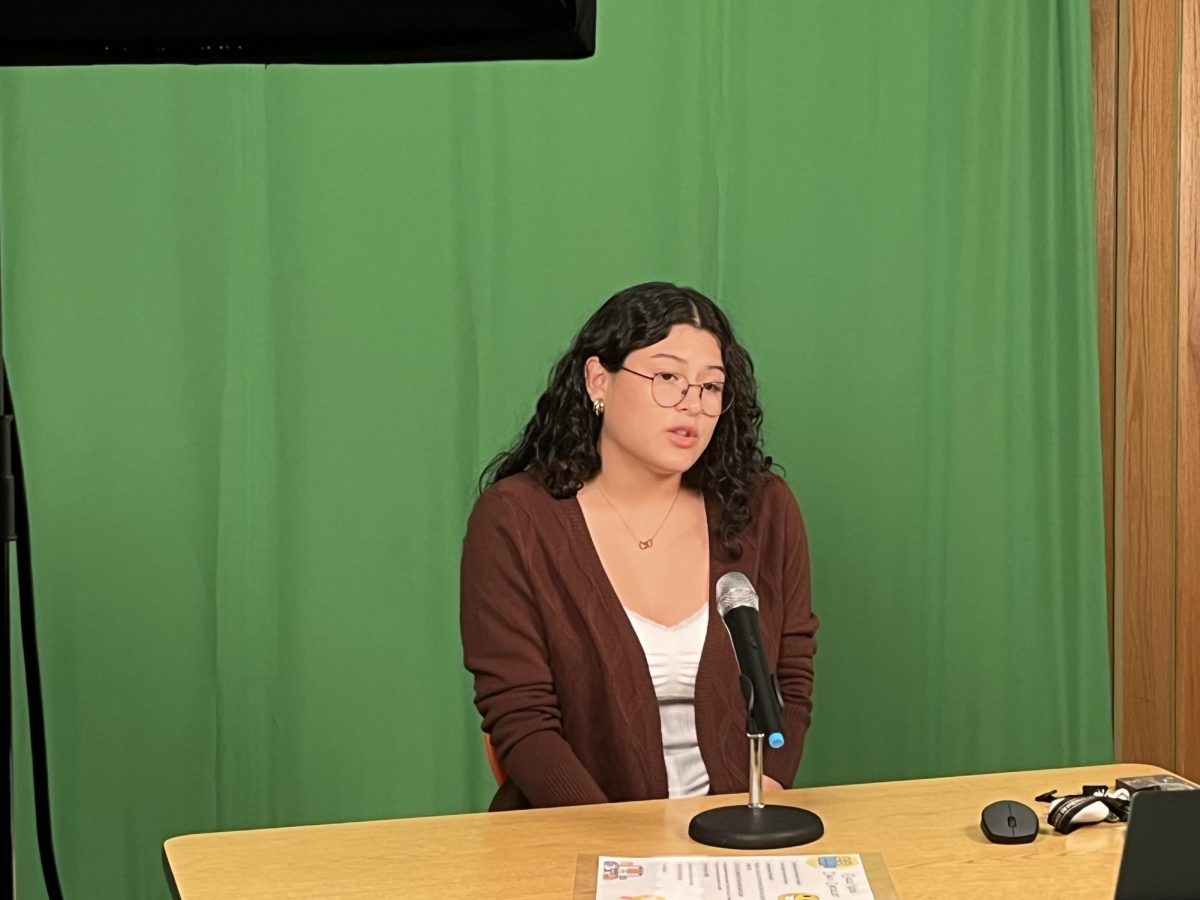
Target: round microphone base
x,y
751,828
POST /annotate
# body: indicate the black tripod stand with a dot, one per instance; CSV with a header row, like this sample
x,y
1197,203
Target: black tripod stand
x,y
14,530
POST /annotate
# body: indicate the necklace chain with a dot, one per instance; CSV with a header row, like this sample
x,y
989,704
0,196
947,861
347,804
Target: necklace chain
x,y
649,542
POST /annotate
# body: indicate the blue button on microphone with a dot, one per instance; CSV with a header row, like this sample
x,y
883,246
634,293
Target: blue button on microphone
x,y
775,740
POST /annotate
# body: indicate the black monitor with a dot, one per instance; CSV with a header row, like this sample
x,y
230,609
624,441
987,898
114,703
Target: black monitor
x,y
72,32
1161,860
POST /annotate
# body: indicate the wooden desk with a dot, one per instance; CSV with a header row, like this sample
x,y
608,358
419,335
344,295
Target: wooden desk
x,y
927,830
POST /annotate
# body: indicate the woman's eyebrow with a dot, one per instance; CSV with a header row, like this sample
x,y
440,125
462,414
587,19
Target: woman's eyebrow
x,y
680,359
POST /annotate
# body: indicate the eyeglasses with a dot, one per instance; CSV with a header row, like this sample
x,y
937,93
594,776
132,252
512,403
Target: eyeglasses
x,y
669,389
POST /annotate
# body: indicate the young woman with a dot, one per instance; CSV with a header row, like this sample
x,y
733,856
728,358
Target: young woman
x,y
602,670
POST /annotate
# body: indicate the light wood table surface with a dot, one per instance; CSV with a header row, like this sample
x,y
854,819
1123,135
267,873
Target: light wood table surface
x,y
927,830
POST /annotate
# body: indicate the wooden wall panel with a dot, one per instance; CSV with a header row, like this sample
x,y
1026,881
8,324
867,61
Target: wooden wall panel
x,y
1144,457
1187,519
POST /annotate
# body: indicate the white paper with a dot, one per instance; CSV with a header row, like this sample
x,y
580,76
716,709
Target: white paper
x,y
826,876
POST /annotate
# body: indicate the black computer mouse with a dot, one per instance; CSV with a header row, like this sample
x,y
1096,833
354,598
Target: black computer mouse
x,y
1009,822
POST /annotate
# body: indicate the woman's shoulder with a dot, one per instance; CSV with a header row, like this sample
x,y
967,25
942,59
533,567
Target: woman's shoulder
x,y
522,493
773,490
776,502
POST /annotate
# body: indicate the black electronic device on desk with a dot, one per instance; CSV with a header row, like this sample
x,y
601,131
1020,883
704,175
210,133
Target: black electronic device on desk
x,y
1009,822
1161,860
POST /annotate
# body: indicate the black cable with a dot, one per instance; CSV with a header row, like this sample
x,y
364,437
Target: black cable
x,y
8,533
33,679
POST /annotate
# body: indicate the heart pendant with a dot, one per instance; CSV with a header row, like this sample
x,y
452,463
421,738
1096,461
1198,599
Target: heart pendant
x,y
646,545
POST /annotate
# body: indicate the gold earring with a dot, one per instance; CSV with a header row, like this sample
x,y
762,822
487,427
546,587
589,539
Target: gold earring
x,y
598,407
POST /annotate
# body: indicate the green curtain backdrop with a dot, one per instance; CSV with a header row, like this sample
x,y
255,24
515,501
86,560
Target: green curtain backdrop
x,y
265,325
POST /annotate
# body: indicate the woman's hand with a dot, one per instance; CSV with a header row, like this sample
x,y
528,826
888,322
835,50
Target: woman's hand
x,y
770,784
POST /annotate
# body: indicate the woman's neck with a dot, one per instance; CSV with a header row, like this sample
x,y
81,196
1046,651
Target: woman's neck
x,y
629,484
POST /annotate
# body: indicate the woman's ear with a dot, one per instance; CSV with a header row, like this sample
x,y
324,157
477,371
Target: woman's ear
x,y
595,378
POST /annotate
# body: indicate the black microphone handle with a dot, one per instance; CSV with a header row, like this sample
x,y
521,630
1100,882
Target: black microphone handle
x,y
767,710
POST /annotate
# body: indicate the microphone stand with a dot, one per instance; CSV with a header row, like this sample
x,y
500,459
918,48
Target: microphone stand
x,y
755,826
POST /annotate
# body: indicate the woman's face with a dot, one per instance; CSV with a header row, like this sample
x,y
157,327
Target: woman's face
x,y
665,439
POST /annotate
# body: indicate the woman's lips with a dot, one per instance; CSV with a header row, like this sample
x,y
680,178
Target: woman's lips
x,y
682,437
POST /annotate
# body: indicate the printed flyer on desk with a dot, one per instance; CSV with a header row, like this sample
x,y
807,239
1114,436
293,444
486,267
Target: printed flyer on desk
x,y
823,877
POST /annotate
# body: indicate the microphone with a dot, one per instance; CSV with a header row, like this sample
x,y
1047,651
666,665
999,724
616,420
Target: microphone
x,y
738,605
755,826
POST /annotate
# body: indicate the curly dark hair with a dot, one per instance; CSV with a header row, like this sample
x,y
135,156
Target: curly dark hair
x,y
559,444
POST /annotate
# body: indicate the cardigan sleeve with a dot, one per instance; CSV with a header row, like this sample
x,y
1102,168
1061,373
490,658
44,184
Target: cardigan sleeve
x,y
794,668
504,647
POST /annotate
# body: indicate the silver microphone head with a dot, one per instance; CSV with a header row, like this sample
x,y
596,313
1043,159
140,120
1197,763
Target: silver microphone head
x,y
733,590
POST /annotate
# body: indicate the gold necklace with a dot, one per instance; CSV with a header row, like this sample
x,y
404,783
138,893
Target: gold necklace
x,y
646,544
